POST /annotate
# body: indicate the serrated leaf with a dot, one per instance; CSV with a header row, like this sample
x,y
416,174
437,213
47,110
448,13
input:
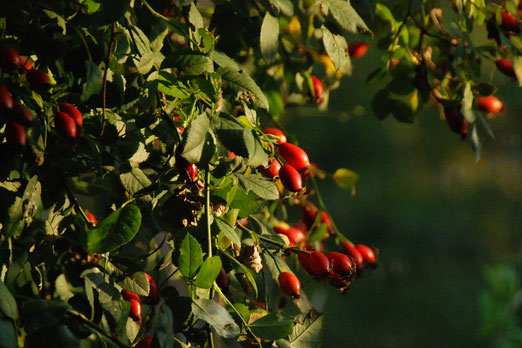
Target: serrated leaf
x,y
216,316
272,326
258,157
140,39
53,221
145,62
137,283
189,62
269,37
261,186
228,231
236,137
345,178
190,257
337,48
306,334
208,272
7,302
345,15
115,230
195,138
240,81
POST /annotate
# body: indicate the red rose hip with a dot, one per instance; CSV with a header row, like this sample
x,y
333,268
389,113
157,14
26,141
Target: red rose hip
x,y
351,250
153,289
276,132
490,104
91,218
357,49
505,66
318,90
22,114
509,22
290,178
38,79
294,156
65,125
319,264
341,264
272,170
9,59
15,135
367,253
145,342
6,101
72,111
290,284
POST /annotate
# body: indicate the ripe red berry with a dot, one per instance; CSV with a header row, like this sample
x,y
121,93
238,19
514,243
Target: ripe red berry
x,y
308,213
318,90
222,280
505,66
22,114
509,22
91,218
153,289
38,79
367,253
341,264
291,178
290,284
319,264
295,235
456,121
490,104
6,101
304,260
294,156
15,135
72,111
357,49
135,310
26,62
276,132
9,59
192,170
145,342
394,62
65,125
351,250
272,170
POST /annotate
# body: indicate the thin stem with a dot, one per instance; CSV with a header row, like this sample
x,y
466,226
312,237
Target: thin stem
x,y
271,241
94,326
216,287
104,93
322,206
207,211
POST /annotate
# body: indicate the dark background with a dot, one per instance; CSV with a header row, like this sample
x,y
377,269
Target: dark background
x,y
440,219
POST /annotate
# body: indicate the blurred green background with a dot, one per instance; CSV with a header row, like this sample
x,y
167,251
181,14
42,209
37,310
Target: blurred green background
x,y
443,222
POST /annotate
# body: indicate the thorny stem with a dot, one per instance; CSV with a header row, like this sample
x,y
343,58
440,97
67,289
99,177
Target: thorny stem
x,y
216,287
104,93
209,236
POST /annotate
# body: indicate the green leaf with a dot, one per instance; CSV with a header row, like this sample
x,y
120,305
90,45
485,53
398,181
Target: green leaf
x,y
59,19
285,6
228,231
224,61
234,135
208,272
261,186
247,203
8,336
345,15
269,38
138,283
249,274
37,314
258,157
190,257
318,233
217,317
306,334
140,39
337,48
401,111
145,62
195,138
93,81
239,82
517,66
7,302
345,178
134,181
189,62
272,326
400,85
115,230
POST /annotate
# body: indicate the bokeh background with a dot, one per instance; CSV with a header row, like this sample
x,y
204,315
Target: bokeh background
x,y
449,228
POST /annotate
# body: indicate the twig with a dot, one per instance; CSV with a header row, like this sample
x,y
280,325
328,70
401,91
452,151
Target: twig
x,y
104,94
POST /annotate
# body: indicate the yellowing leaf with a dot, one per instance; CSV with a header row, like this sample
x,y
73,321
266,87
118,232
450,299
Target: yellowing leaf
x,y
345,178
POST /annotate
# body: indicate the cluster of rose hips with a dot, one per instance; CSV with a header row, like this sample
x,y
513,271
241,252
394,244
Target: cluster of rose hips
x,y
337,269
296,159
17,115
490,104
